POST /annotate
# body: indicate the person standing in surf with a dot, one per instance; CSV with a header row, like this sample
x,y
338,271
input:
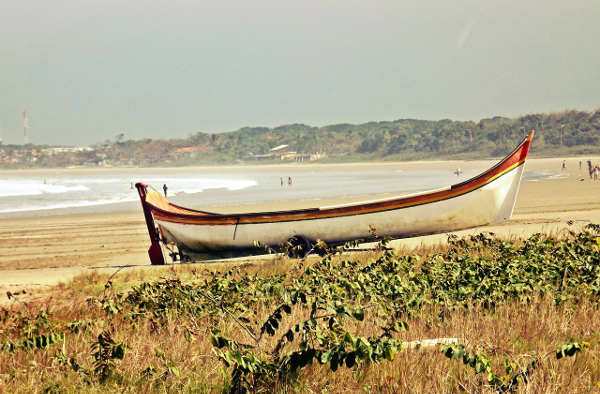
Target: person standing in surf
x,y
165,188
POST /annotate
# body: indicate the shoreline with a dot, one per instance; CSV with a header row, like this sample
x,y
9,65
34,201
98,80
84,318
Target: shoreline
x,y
295,166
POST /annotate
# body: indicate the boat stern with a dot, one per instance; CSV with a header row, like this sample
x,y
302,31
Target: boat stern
x,y
155,252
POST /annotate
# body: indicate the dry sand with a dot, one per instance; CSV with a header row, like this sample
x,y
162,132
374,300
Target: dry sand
x,y
38,252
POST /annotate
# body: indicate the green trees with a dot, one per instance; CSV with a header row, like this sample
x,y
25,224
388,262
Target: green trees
x,y
569,132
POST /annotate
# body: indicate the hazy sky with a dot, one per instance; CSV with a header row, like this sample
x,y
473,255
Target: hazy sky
x,y
89,70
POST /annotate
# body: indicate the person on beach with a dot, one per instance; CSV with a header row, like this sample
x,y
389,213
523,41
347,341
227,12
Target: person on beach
x,y
165,188
289,181
132,185
564,165
590,168
281,180
596,169
579,165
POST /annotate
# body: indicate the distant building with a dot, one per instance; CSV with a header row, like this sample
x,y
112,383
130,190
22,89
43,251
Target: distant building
x,y
309,157
53,151
288,156
188,152
279,149
280,152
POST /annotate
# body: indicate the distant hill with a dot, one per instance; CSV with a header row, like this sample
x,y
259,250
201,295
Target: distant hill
x,y
557,134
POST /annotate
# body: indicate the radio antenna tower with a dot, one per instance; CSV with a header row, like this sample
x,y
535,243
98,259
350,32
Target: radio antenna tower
x,y
25,124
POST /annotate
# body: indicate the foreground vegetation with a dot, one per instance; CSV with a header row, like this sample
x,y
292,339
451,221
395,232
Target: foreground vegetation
x,y
557,134
521,317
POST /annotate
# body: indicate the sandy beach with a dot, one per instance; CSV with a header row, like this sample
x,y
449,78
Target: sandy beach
x,y
37,252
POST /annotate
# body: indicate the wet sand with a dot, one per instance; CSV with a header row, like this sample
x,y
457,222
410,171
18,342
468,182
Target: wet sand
x,y
37,252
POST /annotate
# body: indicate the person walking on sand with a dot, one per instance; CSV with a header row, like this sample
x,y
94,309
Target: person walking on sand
x,y
579,165
289,181
590,168
165,188
564,165
281,180
596,169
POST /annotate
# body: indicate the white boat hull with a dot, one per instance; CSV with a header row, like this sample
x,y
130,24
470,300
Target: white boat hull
x,y
490,204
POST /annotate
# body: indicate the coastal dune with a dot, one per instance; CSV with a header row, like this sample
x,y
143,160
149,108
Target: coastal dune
x,y
39,251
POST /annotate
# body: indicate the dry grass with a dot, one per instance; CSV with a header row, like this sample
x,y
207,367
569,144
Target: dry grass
x,y
512,332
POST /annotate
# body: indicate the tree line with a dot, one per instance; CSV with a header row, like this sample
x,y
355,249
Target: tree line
x,y
569,132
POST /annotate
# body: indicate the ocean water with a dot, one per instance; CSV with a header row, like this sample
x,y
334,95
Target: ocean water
x,y
29,194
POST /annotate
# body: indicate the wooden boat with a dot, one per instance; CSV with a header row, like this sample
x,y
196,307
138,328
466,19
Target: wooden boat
x,y
485,199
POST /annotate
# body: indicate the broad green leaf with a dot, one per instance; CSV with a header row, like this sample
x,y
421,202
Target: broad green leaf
x,y
365,342
389,354
289,336
359,314
325,357
459,352
174,370
334,363
350,359
119,352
